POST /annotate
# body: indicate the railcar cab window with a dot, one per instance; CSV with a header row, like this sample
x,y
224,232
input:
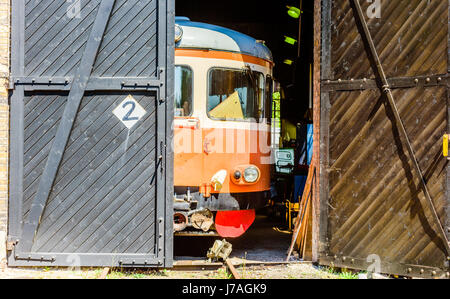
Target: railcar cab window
x,y
235,94
183,91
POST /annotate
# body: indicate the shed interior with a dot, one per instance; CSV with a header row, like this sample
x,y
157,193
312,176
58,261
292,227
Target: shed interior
x,y
268,238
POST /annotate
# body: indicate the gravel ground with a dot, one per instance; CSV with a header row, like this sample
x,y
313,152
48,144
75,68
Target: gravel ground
x,y
292,271
261,243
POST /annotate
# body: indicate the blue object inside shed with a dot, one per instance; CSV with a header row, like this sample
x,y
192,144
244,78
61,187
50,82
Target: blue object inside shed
x,y
299,186
305,138
309,142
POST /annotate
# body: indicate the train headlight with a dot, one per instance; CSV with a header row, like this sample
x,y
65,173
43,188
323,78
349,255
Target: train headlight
x,y
178,33
251,174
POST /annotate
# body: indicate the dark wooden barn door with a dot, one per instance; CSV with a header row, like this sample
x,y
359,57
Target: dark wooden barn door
x,y
385,108
91,162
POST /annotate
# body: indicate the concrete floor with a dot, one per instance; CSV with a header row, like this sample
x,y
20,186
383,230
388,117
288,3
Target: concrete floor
x,y
260,243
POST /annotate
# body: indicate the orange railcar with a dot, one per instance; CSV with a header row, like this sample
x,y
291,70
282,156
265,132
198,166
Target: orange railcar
x,y
223,89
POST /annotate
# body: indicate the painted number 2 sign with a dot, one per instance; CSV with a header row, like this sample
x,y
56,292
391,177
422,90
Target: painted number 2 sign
x,y
129,112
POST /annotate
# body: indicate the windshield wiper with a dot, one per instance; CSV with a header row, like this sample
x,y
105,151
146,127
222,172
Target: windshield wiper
x,y
250,73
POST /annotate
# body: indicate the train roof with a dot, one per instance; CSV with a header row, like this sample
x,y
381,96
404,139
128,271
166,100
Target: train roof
x,y
198,35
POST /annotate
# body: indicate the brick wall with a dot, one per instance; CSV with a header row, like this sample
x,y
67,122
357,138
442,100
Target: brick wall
x,y
4,109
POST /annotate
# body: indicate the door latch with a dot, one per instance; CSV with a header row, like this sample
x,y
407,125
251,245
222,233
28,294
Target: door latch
x,y
445,146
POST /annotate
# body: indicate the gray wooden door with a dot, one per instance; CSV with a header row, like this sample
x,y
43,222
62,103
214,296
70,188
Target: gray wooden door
x,y
90,165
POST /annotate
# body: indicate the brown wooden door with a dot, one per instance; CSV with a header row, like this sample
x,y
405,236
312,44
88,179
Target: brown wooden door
x,y
376,209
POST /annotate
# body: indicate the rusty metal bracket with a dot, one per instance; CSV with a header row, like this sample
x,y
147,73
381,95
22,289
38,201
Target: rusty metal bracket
x,y
10,245
387,90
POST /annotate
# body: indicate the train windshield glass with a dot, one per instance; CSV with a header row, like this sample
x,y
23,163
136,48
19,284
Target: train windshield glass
x,y
183,91
235,94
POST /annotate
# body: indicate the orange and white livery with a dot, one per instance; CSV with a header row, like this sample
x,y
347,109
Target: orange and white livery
x,y
223,89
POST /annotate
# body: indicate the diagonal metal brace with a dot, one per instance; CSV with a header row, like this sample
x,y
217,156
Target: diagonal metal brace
x,y
387,90
31,224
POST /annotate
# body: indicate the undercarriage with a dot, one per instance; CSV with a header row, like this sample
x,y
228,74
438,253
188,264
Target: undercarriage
x,y
224,213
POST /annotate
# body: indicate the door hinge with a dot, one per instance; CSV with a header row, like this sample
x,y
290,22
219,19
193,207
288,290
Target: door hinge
x,y
160,236
34,257
46,81
162,88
